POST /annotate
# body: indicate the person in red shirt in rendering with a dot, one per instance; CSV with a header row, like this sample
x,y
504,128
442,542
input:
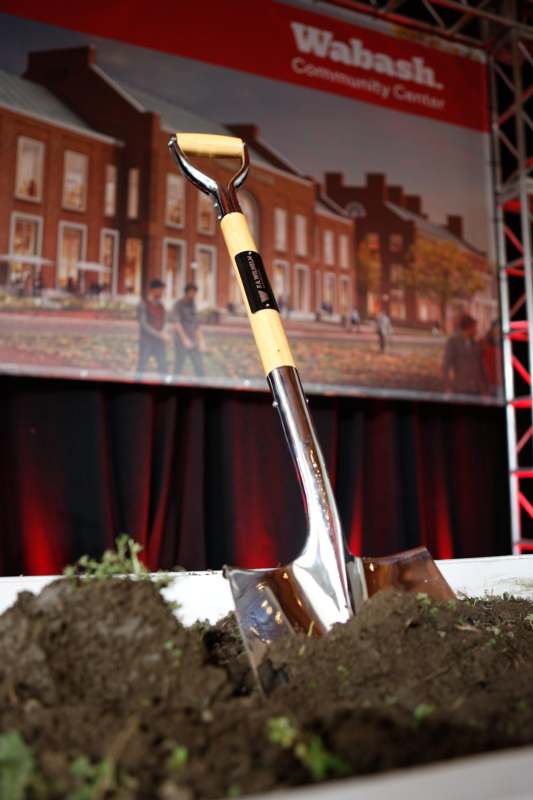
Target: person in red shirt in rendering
x,y
152,337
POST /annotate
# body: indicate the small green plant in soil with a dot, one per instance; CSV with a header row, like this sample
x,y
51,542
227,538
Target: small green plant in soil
x,y
19,777
123,560
424,599
422,712
178,758
309,750
92,781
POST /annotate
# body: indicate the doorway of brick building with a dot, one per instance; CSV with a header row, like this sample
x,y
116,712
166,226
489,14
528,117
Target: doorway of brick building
x,y
174,268
345,296
204,275
281,284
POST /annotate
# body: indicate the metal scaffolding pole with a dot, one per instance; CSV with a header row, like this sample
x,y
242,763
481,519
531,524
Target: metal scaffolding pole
x,y
511,68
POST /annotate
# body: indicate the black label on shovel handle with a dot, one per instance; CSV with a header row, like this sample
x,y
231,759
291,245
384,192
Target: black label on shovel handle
x,y
255,281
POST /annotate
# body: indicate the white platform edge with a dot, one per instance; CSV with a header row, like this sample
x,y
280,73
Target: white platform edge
x,y
505,775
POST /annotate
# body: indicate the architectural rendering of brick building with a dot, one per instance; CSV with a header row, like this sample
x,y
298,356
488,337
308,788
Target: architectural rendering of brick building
x,y
392,236
90,197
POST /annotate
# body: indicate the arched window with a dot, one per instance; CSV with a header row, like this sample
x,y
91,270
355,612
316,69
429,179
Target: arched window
x,y
356,209
250,209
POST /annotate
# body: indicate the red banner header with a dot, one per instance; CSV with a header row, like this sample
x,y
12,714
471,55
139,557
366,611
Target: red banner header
x,y
289,44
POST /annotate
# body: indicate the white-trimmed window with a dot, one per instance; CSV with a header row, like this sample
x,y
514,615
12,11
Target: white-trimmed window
x,y
109,240
281,233
206,215
329,247
71,250
345,295
110,195
250,209
134,181
175,205
134,266
301,287
174,267
281,285
205,275
344,250
300,230
25,240
329,296
75,171
30,168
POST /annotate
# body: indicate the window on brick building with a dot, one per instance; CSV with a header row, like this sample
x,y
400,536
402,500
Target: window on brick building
x,y
250,209
109,258
30,164
110,197
372,241
395,242
75,181
134,266
175,207
281,283
72,244
206,215
397,301
329,247
329,299
25,240
134,179
300,230
280,230
205,275
174,268
301,288
344,250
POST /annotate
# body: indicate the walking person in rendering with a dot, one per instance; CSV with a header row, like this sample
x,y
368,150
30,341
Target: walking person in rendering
x,y
188,337
152,336
384,329
463,368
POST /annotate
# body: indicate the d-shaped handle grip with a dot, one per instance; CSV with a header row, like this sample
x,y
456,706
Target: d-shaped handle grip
x,y
211,145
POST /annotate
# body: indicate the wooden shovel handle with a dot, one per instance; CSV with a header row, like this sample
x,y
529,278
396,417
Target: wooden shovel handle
x,y
265,320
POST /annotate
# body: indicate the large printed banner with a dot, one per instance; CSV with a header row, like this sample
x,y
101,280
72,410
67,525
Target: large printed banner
x,y
368,195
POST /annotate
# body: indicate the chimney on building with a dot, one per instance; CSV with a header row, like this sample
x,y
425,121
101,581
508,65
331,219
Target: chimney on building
x,y
376,186
334,181
454,223
246,131
395,195
53,66
413,203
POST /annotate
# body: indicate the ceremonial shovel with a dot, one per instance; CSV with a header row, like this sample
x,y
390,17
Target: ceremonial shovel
x,y
325,584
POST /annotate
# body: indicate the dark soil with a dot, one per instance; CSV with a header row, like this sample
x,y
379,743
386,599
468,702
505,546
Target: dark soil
x,y
104,670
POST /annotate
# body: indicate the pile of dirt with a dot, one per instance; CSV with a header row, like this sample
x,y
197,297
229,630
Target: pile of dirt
x,y
111,697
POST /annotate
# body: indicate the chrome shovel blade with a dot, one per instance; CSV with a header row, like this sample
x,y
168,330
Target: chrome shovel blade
x,y
272,603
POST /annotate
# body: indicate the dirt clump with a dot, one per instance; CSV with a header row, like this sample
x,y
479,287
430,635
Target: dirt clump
x,y
105,694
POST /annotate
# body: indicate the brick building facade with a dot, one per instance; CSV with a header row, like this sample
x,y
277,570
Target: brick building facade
x,y
90,196
391,228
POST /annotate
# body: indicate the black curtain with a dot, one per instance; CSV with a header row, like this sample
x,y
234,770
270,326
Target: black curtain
x,y
202,477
